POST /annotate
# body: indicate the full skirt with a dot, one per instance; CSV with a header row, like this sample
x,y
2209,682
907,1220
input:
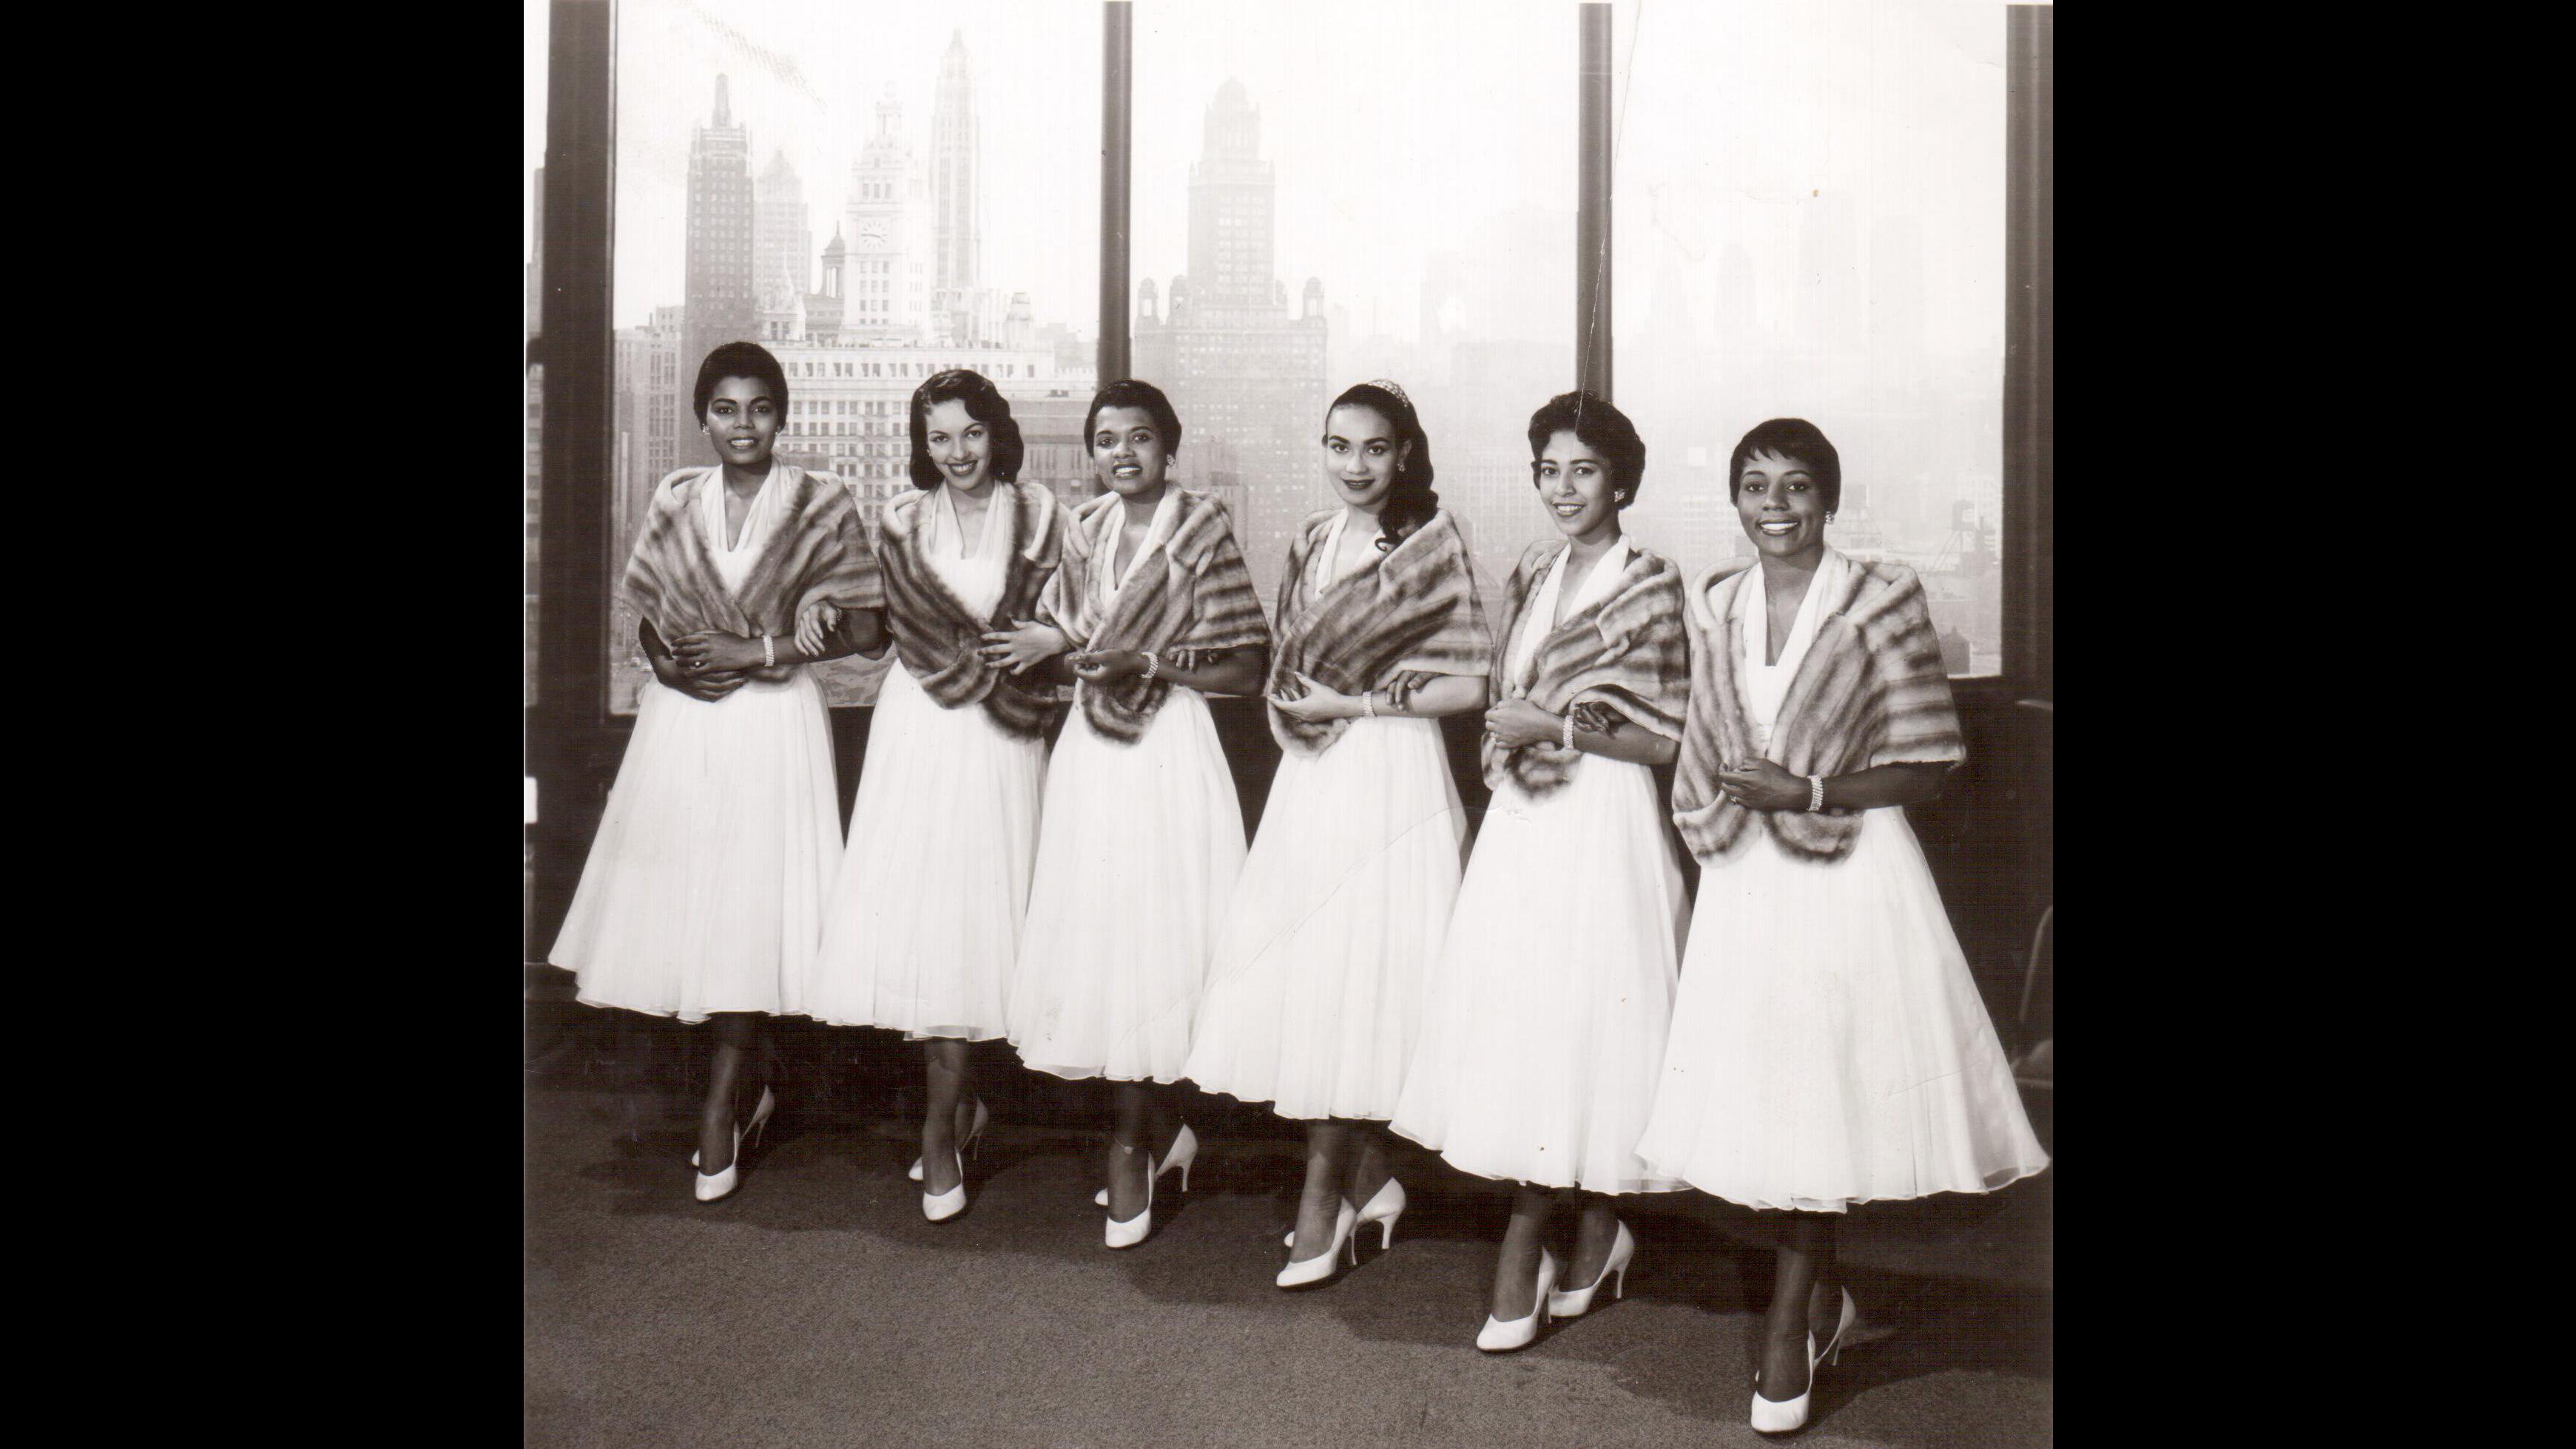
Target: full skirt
x,y
1316,993
1137,856
924,921
1549,1007
705,885
1828,1045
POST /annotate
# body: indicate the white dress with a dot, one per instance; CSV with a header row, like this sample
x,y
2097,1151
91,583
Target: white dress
x,y
1316,994
1137,856
1548,1010
924,923
1828,1045
705,885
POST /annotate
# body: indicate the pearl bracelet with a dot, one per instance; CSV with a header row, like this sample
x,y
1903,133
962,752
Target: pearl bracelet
x,y
1815,793
768,652
1368,703
1569,729
1153,666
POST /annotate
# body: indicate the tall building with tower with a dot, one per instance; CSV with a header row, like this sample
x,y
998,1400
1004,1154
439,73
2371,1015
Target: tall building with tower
x,y
956,192
1245,372
719,300
782,247
887,283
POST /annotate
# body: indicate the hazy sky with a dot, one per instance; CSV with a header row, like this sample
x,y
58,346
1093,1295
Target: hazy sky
x,y
1397,127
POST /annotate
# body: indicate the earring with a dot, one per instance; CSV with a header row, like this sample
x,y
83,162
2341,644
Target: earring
x,y
1829,515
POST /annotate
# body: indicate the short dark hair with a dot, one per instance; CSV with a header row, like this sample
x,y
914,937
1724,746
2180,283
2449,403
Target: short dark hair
x,y
1598,426
739,359
1791,438
984,403
1130,393
1412,501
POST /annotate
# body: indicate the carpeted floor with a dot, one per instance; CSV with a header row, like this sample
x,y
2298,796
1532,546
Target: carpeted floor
x,y
816,1306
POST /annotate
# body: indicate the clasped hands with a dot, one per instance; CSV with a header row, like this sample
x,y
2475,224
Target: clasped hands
x,y
1758,784
1307,698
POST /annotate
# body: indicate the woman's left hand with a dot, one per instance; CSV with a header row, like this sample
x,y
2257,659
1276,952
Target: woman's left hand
x,y
1108,666
814,626
1026,643
713,649
1762,785
1517,722
1312,701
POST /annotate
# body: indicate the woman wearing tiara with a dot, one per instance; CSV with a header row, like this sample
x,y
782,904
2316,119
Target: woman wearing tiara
x,y
1142,836
925,922
704,889
1828,1043
1548,1009
1316,993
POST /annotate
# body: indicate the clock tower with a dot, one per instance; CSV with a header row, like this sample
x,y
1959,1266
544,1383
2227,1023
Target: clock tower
x,y
877,296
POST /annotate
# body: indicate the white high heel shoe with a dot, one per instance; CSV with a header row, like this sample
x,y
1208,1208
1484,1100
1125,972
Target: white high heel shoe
x,y
1305,1273
1383,1209
974,1135
939,1207
1185,1150
1498,1336
713,1187
1574,1303
1131,1232
1779,1416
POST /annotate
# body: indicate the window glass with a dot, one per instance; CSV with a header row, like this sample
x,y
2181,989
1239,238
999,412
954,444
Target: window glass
x,y
1331,192
873,192
1809,204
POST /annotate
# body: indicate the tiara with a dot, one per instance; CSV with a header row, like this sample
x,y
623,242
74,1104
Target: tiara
x,y
1387,385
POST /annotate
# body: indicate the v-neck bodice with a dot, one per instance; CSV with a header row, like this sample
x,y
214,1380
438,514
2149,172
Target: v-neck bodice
x,y
1765,687
734,557
1540,619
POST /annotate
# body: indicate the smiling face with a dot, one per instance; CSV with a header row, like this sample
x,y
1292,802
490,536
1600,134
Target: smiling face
x,y
960,447
1362,454
742,420
1127,450
1574,486
1781,509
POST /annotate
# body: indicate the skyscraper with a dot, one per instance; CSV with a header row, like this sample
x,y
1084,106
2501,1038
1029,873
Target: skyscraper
x,y
1245,374
720,298
782,246
956,194
885,294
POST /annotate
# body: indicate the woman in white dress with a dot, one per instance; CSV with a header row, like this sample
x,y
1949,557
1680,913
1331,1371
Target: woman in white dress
x,y
704,889
1828,1043
924,922
1316,993
1549,1006
1141,836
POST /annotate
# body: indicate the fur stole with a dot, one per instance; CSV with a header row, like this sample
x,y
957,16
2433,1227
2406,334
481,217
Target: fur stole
x,y
937,638
1412,609
1197,599
818,553
1628,650
1871,691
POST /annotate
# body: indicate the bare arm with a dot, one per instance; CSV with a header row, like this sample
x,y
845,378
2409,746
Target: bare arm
x,y
1763,785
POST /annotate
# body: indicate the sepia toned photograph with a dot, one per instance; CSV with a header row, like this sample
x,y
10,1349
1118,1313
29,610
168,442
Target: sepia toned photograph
x,y
1288,724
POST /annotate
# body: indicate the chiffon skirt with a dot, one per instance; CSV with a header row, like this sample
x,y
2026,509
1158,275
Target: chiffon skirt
x,y
1828,1045
924,921
1136,859
1545,1028
1316,992
705,885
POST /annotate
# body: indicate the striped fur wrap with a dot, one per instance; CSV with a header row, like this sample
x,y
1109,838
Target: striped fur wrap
x,y
937,638
1871,691
818,553
1199,601
1413,609
1628,650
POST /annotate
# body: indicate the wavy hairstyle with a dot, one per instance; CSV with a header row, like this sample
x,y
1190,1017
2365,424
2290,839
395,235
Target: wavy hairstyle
x,y
1411,502
1130,393
1598,426
1791,438
739,359
984,403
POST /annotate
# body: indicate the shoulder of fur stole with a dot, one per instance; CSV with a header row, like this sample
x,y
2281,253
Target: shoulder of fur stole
x,y
1204,522
1703,615
1886,588
673,490
1077,528
1536,555
1040,515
